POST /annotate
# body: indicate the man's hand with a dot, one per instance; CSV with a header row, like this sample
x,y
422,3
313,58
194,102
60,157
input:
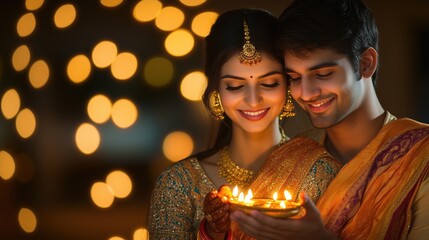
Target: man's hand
x,y
260,226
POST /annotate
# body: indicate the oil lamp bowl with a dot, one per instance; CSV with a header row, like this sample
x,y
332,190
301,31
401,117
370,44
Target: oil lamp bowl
x,y
268,207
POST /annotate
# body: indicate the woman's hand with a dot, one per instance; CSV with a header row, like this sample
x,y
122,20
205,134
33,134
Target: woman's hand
x,y
216,211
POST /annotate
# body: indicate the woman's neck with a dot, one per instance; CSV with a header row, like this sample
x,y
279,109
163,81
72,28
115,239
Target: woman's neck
x,y
250,150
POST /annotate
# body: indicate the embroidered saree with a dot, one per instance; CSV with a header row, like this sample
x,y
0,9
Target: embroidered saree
x,y
176,208
372,196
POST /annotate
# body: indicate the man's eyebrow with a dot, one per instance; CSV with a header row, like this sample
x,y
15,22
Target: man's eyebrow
x,y
262,76
322,65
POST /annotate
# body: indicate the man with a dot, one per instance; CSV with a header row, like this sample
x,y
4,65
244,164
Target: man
x,y
382,192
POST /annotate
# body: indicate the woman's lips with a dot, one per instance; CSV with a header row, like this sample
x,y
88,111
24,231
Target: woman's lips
x,y
254,115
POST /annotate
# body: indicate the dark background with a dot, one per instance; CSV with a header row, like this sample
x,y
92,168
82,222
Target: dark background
x,y
53,178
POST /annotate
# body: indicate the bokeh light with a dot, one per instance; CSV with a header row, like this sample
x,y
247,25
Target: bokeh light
x,y
141,234
169,19
116,238
79,68
104,53
179,42
120,183
10,103
7,165
193,85
99,108
124,66
202,23
21,58
32,5
110,3
25,123
38,74
124,113
158,71
192,3
177,145
26,25
27,220
65,16
147,10
87,138
102,195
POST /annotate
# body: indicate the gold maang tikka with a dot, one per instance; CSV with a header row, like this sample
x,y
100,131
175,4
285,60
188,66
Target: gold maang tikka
x,y
249,54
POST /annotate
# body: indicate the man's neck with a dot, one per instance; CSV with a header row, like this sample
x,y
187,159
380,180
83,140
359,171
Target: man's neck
x,y
346,139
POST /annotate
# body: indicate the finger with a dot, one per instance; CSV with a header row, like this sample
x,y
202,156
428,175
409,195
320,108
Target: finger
x,y
311,211
222,212
252,227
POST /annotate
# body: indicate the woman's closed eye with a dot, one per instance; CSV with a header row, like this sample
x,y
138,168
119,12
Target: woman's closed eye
x,y
233,88
270,85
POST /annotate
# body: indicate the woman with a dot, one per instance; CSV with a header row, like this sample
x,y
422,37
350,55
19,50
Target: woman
x,y
247,93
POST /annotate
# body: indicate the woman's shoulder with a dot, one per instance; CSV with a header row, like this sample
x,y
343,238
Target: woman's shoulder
x,y
185,166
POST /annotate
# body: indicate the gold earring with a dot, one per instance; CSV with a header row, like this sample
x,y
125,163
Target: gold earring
x,y
288,108
216,106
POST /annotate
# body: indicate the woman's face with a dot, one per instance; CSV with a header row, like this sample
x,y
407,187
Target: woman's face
x,y
252,95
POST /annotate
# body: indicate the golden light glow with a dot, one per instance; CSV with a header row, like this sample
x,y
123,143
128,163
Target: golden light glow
x,y
25,123
38,74
120,183
116,238
202,23
99,108
10,103
26,25
27,220
193,86
87,138
124,113
192,3
141,234
177,145
21,58
7,165
32,5
147,10
110,3
169,19
79,68
124,66
102,195
179,43
65,16
104,54
158,71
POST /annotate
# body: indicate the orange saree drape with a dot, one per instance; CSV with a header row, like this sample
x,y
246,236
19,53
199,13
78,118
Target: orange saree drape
x,y
372,195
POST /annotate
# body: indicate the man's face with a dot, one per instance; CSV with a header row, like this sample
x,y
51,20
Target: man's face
x,y
324,84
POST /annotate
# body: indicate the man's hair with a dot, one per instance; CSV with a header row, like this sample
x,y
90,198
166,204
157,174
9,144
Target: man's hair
x,y
346,26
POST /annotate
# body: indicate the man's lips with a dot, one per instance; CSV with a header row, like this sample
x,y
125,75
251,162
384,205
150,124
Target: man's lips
x,y
320,106
254,115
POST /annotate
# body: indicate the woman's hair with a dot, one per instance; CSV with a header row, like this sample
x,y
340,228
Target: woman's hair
x,y
346,26
226,38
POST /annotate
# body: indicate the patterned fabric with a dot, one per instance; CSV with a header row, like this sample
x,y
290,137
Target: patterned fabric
x,y
372,196
177,199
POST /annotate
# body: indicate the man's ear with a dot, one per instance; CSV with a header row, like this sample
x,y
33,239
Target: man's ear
x,y
368,62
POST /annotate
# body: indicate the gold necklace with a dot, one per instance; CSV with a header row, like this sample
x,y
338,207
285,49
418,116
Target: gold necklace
x,y
234,174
